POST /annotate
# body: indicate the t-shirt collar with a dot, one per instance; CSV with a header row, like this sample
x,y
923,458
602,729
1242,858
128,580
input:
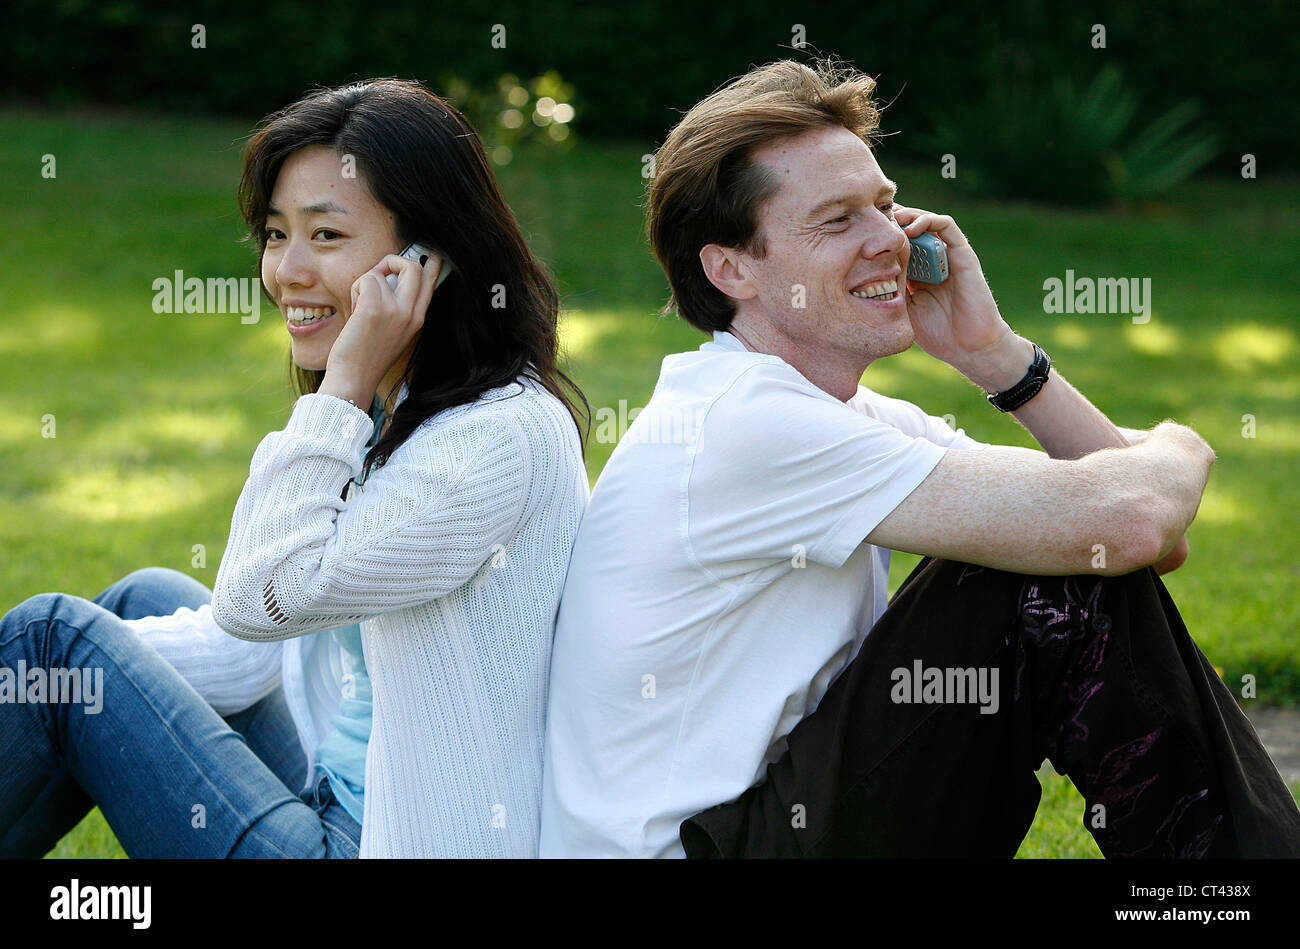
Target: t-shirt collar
x,y
725,341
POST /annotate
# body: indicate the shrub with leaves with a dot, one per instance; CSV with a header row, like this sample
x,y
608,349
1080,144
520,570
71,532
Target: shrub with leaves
x,y
1056,142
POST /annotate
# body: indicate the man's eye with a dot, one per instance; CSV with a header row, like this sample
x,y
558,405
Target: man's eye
x,y
843,218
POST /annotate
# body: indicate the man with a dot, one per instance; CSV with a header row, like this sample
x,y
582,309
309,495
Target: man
x,y
714,691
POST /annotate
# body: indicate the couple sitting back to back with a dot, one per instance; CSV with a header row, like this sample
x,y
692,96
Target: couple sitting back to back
x,y
423,641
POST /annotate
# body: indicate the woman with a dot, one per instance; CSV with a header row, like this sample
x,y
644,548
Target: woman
x,y
414,553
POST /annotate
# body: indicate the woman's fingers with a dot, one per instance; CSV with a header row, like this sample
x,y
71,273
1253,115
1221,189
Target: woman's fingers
x,y
414,284
375,288
370,283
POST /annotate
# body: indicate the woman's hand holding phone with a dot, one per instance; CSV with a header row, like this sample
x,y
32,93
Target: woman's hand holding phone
x,y
381,328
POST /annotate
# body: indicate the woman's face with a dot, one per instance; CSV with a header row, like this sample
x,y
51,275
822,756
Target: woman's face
x,y
323,231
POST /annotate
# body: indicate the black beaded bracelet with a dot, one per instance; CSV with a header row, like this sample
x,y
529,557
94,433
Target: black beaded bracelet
x,y
1026,388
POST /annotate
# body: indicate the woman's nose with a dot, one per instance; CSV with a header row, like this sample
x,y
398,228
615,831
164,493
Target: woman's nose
x,y
294,267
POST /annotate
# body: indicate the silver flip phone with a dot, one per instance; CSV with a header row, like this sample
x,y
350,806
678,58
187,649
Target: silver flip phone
x,y
420,253
929,260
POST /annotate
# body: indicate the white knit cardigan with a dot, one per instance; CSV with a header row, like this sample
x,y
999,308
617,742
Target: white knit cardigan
x,y
452,556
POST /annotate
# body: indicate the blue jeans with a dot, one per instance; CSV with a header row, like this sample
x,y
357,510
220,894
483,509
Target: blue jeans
x,y
172,778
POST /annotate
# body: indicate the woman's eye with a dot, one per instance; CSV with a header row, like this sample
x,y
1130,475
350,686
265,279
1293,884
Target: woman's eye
x,y
324,231
272,234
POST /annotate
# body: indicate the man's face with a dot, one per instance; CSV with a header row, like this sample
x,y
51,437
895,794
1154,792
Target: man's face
x,y
830,230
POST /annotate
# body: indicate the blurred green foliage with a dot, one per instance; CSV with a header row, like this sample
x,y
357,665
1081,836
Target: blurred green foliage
x,y
637,66
510,114
1056,141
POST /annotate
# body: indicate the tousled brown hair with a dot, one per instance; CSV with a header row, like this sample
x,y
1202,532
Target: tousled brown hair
x,y
707,188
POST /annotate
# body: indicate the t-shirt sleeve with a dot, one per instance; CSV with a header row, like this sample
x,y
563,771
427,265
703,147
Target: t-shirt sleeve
x,y
912,420
782,469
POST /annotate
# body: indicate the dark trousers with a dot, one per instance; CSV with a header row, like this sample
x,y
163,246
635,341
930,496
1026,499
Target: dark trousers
x,y
1096,674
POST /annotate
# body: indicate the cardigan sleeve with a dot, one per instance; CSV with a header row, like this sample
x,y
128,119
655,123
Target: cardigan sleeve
x,y
230,674
300,558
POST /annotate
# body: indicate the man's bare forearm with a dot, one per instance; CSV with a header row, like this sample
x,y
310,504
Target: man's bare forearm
x,y
1134,436
1059,417
1065,423
1176,556
1068,426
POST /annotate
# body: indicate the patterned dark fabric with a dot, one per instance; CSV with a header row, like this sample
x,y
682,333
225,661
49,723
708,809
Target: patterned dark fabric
x,y
1096,674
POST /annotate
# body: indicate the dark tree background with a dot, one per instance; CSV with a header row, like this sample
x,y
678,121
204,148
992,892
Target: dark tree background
x,y
636,65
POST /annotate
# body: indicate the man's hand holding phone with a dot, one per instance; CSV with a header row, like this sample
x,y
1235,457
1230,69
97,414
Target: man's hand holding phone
x,y
383,324
957,320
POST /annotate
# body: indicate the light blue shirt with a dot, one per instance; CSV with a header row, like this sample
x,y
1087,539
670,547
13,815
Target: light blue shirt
x,y
342,753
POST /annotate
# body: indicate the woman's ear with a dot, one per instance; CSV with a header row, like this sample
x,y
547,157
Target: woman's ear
x,y
723,267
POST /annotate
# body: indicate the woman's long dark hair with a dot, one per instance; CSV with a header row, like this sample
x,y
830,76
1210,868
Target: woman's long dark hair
x,y
494,318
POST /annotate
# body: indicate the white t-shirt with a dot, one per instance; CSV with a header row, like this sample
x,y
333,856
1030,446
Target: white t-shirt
x,y
719,583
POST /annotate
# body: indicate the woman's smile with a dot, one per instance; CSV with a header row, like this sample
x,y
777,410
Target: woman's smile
x,y
303,319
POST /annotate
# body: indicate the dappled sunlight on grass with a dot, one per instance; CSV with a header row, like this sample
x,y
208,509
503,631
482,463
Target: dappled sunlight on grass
x,y
110,495
1222,507
1252,345
630,335
883,376
18,427
1278,387
1274,436
47,327
578,330
917,362
266,337
1153,339
1071,336
205,432
908,374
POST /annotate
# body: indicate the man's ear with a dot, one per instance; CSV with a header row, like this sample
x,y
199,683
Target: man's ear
x,y
725,270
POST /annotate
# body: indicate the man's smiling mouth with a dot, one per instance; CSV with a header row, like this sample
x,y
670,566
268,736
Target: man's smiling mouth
x,y
886,290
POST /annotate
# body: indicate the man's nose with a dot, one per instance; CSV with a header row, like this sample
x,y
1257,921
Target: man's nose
x,y
885,238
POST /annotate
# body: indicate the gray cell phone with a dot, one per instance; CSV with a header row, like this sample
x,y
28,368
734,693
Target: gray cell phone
x,y
929,260
420,253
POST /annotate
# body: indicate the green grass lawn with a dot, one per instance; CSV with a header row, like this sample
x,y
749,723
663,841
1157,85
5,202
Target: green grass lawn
x,y
156,416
